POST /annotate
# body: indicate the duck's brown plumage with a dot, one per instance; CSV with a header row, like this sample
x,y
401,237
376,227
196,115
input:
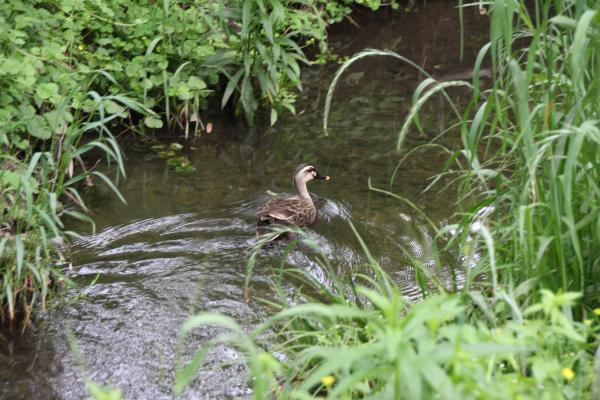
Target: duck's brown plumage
x,y
297,210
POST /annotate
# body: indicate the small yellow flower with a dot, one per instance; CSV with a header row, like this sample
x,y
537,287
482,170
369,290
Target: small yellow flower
x,y
597,311
568,373
587,322
81,47
328,380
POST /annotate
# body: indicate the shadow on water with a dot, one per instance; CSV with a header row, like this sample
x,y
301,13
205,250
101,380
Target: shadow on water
x,y
182,242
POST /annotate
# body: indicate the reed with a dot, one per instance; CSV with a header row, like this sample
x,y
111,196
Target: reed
x,y
40,187
530,147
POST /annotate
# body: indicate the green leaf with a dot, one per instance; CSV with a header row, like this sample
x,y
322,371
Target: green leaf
x,y
9,296
231,85
111,185
183,92
564,22
175,146
20,250
246,18
196,83
273,116
268,28
184,375
209,318
47,90
38,127
12,66
22,144
152,45
147,84
28,70
82,217
213,79
112,107
56,120
152,122
10,180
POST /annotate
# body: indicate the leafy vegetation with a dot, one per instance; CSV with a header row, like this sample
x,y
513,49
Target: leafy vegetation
x,y
169,55
524,323
361,338
39,186
532,147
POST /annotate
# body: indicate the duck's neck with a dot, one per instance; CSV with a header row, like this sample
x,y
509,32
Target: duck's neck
x,y
302,190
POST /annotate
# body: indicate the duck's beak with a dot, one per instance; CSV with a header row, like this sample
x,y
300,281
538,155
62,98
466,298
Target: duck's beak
x,y
324,177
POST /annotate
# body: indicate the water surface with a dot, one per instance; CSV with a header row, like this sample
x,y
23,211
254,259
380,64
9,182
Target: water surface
x,y
181,243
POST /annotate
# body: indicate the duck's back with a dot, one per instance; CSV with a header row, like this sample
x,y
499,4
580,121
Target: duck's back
x,y
297,210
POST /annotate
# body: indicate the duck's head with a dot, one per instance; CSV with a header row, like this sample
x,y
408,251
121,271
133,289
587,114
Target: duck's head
x,y
305,173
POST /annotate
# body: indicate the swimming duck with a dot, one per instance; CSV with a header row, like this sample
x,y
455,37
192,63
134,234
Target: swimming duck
x,y
297,210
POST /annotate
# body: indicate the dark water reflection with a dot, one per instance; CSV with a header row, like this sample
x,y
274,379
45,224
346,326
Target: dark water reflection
x,y
181,243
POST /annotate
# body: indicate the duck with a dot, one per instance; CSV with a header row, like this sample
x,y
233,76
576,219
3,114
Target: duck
x,y
295,210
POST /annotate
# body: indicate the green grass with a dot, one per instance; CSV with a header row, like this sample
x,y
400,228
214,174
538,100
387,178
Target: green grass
x,y
40,186
361,338
532,145
529,147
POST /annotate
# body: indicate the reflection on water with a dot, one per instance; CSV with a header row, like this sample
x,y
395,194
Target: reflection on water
x,y
181,243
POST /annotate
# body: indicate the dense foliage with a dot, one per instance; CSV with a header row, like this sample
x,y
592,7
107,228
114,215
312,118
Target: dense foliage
x,y
38,189
363,339
531,143
168,54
